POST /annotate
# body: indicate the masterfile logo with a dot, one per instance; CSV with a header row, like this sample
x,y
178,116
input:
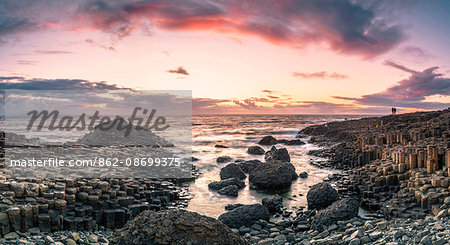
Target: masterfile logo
x,y
97,134
104,123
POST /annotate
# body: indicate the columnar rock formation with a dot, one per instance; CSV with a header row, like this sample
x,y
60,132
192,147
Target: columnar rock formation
x,y
77,204
390,158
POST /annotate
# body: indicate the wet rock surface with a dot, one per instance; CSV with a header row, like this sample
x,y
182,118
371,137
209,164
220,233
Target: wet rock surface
x,y
268,140
303,175
255,150
273,203
175,227
232,170
343,209
245,215
275,154
230,190
248,166
321,195
217,185
273,175
294,142
223,159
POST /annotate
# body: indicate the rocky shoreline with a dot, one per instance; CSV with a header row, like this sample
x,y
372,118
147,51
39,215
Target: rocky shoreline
x,y
397,167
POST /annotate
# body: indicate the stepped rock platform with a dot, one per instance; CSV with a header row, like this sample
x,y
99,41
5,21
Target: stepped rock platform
x,y
397,164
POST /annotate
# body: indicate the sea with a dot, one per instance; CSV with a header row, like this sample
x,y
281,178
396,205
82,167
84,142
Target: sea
x,y
238,132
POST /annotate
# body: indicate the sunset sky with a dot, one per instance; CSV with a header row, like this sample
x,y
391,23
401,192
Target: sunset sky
x,y
303,57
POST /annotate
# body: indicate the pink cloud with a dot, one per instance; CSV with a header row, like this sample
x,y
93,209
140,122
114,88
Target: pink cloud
x,y
410,92
320,75
344,26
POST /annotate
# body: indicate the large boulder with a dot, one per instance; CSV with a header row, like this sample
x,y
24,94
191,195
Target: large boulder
x,y
273,175
217,185
248,166
268,140
343,209
255,150
277,154
321,195
232,170
273,203
230,190
176,226
245,215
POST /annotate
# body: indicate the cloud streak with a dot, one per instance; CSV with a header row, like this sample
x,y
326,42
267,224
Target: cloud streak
x,y
52,52
345,26
415,52
26,62
54,84
320,75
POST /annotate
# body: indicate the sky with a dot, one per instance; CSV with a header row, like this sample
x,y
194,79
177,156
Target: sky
x,y
251,57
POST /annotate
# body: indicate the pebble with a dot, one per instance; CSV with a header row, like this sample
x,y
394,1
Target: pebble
x,y
100,237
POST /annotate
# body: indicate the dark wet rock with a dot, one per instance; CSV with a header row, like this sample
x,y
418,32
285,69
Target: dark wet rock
x,y
303,175
223,159
273,203
321,195
256,150
232,170
230,190
268,140
283,141
194,159
343,209
247,166
294,142
273,175
277,154
217,185
175,226
245,215
229,207
220,146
